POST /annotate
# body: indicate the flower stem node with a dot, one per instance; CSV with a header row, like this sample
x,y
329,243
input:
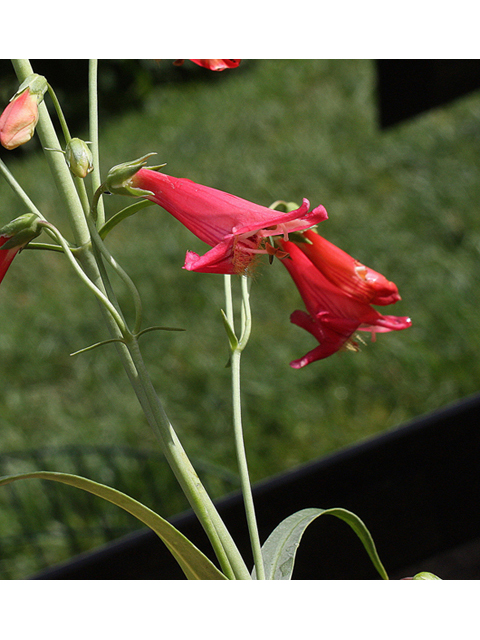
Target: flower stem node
x,y
20,116
79,157
119,178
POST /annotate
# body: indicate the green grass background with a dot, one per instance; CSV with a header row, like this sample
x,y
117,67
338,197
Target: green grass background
x,y
403,201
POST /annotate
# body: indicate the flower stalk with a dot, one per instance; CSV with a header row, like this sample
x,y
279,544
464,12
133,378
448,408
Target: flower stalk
x,y
236,352
93,133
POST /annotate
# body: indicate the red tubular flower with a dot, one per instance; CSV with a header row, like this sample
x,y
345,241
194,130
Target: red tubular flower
x,y
217,65
348,274
235,228
336,291
6,256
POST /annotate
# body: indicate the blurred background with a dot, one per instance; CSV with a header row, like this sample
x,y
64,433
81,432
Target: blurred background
x,y
400,180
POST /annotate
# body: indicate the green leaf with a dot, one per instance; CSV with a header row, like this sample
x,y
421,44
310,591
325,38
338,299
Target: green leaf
x,y
232,338
121,215
195,565
281,546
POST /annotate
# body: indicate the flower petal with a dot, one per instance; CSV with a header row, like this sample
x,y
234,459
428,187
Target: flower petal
x,y
348,274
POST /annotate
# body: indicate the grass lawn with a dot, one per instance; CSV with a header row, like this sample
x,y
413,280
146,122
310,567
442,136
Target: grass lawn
x,y
403,201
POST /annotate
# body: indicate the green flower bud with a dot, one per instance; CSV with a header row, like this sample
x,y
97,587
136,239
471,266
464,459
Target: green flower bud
x,y
20,231
118,178
425,575
79,158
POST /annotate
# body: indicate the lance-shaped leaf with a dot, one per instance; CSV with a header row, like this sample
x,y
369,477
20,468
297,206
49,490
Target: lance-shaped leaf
x,y
281,546
195,565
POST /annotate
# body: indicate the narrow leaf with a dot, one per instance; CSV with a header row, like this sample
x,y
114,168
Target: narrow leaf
x,y
97,344
281,546
232,338
121,215
193,562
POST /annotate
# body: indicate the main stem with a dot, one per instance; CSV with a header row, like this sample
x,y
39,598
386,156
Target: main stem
x,y
227,553
229,556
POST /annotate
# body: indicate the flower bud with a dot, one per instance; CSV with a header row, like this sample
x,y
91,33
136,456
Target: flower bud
x,y
118,178
79,158
20,117
425,575
20,231
14,236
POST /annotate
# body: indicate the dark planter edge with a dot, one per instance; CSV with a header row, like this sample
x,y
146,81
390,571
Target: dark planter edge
x,y
407,470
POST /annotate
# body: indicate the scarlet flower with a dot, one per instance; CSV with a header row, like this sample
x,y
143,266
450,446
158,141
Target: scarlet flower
x,y
345,272
18,120
217,65
6,256
235,228
337,292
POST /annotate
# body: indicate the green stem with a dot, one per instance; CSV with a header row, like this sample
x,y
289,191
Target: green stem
x,y
93,133
246,314
227,279
98,242
61,117
42,246
24,197
237,422
79,183
61,173
18,189
95,290
227,553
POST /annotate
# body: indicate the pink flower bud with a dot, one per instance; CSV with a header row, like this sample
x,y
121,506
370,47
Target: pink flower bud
x,y
20,117
18,120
